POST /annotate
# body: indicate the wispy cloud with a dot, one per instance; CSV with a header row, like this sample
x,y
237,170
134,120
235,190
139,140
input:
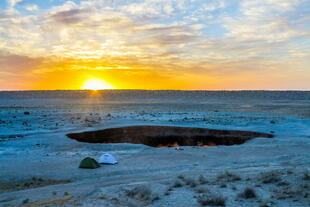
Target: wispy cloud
x,y
12,3
31,7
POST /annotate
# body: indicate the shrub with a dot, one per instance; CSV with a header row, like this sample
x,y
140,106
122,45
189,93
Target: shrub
x,y
25,201
142,193
306,175
181,177
202,180
177,184
170,188
289,171
283,183
193,185
155,198
228,177
304,185
202,190
234,188
211,200
247,193
191,182
103,197
267,203
270,177
167,193
289,192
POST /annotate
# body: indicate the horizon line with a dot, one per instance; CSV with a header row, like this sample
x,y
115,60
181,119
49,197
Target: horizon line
x,y
210,90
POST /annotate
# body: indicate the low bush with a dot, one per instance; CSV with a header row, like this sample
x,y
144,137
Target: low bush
x,y
270,177
142,193
248,193
202,180
211,200
228,177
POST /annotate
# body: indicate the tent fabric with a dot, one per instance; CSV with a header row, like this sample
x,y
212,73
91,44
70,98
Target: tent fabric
x,y
89,162
107,159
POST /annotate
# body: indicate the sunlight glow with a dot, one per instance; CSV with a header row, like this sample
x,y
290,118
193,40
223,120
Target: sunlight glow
x,y
96,84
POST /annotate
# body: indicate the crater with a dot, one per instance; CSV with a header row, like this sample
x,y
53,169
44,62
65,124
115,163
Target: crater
x,y
167,136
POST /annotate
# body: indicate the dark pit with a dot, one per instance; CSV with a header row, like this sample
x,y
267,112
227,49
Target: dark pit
x,y
167,136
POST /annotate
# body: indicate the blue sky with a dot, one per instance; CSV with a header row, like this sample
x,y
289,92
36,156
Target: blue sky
x,y
185,43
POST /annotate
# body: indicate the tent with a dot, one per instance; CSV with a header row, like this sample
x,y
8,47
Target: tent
x,y
107,159
89,162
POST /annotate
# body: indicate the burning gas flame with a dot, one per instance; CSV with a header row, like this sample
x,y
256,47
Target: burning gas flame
x,y
175,144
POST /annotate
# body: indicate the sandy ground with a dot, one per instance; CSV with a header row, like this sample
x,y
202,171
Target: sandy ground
x,y
39,166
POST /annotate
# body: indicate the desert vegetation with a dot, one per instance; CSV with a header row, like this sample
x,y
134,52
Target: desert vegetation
x,y
143,194
211,200
33,182
266,188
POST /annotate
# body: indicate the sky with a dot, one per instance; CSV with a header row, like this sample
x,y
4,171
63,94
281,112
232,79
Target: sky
x,y
155,44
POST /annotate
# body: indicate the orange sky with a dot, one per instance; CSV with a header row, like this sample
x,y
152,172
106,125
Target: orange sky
x,y
154,44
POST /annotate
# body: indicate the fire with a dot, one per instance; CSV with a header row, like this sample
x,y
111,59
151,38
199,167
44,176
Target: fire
x,y
200,144
169,145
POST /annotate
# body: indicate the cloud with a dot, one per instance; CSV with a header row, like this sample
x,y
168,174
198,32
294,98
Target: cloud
x,y
32,7
153,8
214,5
70,16
13,3
11,6
93,29
15,64
172,37
266,20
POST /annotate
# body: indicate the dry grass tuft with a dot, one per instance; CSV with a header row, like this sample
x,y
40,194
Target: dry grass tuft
x,y
177,184
202,190
248,193
289,171
267,203
234,188
49,202
33,182
181,177
103,197
191,182
167,193
228,177
270,177
211,200
202,180
292,193
142,193
306,175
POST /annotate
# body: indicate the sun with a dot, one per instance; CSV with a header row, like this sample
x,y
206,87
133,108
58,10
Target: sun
x,y
96,84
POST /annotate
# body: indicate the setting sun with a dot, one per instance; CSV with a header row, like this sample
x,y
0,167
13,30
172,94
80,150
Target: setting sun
x,y
96,84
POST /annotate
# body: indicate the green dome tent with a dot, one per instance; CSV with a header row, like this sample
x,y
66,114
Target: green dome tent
x,y
89,162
